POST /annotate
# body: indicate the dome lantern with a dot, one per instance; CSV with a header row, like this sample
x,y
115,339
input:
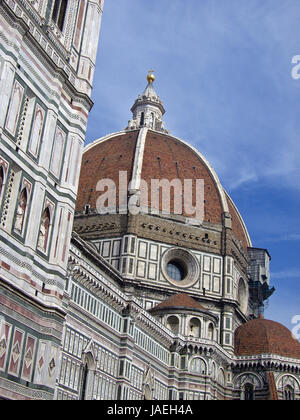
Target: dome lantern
x,y
148,109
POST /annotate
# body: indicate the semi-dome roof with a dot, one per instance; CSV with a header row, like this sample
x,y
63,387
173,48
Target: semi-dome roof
x,y
179,301
263,336
146,151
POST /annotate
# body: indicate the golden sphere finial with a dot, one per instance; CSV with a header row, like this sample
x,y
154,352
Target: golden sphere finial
x,y
150,76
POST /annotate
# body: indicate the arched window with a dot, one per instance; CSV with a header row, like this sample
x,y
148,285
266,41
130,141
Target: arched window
x,y
119,392
173,324
213,370
289,393
195,328
210,332
14,108
85,372
57,152
87,375
198,366
242,295
152,120
21,211
59,12
36,131
221,378
249,392
142,120
44,230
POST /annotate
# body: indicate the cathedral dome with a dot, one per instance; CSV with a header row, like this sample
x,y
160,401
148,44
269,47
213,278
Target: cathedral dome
x,y
146,151
164,157
263,336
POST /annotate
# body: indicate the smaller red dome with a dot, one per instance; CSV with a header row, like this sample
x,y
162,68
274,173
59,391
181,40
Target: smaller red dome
x,y
179,301
263,336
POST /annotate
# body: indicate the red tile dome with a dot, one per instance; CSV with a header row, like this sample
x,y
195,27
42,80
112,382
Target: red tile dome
x,y
263,336
164,157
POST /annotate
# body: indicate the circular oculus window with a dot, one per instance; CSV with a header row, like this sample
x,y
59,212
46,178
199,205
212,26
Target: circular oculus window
x,y
180,267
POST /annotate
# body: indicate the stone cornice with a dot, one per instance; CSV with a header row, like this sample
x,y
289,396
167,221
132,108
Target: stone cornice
x,y
267,362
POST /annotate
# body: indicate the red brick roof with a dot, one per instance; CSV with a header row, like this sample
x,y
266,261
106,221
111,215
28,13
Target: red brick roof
x,y
263,336
238,227
105,160
180,300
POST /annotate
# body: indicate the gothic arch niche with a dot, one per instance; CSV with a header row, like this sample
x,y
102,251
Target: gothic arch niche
x,y
21,211
44,230
248,392
37,128
148,384
288,387
173,324
194,328
57,152
14,108
247,384
87,372
242,295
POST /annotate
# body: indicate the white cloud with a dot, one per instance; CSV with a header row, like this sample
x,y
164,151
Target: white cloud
x,y
286,274
284,237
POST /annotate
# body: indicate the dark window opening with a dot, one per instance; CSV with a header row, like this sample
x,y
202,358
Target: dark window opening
x,y
84,381
175,270
59,12
249,392
289,393
142,119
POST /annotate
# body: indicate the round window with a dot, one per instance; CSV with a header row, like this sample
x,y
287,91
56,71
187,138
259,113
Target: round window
x,y
180,267
176,270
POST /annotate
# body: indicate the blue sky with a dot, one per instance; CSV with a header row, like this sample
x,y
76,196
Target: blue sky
x,y
223,70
